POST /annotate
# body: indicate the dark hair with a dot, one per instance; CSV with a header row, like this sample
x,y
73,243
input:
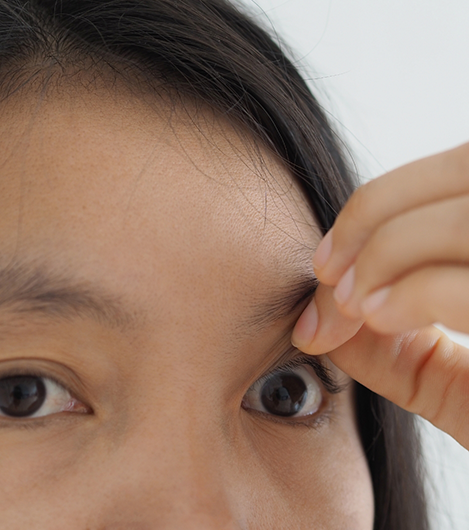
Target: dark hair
x,y
211,51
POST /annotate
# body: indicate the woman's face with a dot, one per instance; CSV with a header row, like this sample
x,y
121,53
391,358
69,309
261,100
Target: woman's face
x,y
151,270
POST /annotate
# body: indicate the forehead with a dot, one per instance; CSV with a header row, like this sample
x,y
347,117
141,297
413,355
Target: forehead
x,y
132,192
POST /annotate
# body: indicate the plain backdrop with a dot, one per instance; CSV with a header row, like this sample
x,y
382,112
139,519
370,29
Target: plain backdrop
x,y
394,77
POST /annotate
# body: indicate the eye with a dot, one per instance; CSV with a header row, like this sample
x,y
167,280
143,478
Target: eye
x,y
30,396
292,392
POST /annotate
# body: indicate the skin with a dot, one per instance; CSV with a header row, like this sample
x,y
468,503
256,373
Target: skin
x,y
395,262
173,215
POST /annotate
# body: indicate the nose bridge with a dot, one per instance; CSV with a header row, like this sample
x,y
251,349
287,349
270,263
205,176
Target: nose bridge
x,y
174,475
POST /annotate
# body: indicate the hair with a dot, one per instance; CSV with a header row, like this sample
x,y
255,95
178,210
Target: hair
x,y
211,51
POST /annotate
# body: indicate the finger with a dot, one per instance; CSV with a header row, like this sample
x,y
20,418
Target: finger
x,y
423,372
426,235
428,295
422,182
321,328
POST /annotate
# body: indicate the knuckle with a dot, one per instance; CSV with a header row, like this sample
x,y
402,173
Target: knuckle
x,y
449,371
411,346
435,354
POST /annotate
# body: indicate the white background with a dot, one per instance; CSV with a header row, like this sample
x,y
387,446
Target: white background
x,y
394,76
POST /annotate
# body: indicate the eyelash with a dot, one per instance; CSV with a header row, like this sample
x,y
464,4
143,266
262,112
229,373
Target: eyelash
x,y
314,421
32,372
324,374
326,377
38,421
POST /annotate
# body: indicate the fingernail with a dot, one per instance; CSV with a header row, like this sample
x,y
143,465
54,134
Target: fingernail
x,y
305,327
323,252
344,288
373,302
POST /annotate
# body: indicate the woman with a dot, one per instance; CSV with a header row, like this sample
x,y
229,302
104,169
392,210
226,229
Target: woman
x,y
166,175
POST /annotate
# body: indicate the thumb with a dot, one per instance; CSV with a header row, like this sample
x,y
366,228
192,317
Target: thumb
x,y
421,371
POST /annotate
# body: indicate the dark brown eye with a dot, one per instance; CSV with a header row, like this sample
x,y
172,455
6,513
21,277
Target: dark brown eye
x,y
284,394
31,396
287,393
21,396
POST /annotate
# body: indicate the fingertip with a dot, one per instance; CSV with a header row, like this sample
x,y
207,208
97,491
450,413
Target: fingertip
x,y
305,327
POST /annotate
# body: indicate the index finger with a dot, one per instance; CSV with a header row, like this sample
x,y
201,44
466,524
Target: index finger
x,y
421,182
331,328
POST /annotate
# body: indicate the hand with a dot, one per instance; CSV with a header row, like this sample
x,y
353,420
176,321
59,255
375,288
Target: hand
x,y
397,260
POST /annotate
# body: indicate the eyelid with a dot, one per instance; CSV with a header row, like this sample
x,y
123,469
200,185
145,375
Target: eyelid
x,y
43,367
324,374
32,372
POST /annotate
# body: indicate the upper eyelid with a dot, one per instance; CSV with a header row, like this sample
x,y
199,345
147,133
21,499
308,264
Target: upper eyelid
x,y
324,374
45,374
32,372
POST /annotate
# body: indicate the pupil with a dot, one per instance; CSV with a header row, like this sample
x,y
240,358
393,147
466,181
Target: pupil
x,y
284,394
21,395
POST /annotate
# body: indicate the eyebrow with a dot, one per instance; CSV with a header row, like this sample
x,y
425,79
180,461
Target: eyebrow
x,y
35,289
282,302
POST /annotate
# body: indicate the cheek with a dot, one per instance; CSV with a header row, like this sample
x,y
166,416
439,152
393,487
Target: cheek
x,y
269,476
308,478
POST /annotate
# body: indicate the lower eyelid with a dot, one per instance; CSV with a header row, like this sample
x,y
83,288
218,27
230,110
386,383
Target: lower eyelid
x,y
313,421
60,419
